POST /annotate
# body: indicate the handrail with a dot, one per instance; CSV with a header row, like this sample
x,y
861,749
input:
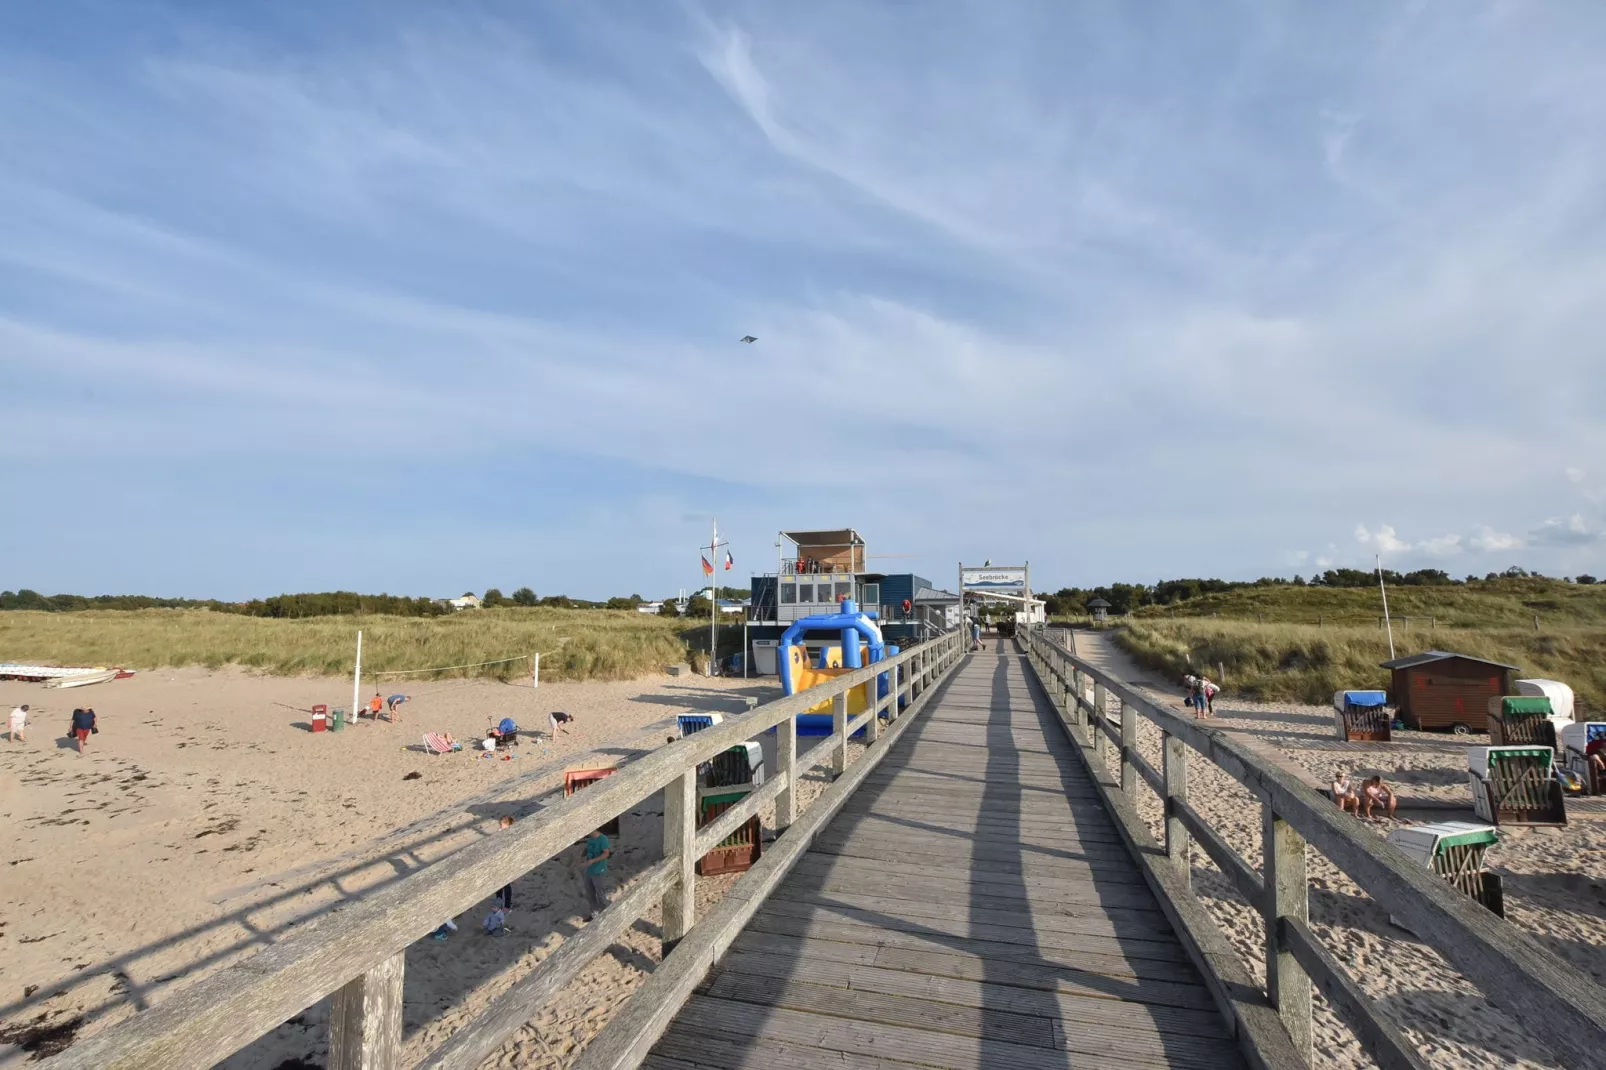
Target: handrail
x,y
356,950
1511,969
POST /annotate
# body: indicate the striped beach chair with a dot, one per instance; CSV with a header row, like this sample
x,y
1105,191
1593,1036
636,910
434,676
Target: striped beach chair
x,y
696,722
435,744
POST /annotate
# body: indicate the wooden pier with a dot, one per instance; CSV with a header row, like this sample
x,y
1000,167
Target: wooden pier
x,y
971,906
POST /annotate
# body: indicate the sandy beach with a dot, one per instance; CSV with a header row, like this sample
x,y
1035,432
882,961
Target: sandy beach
x,y
1554,879
206,818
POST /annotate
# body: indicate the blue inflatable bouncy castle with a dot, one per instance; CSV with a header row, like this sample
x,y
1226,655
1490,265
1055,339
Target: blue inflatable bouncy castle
x,y
861,644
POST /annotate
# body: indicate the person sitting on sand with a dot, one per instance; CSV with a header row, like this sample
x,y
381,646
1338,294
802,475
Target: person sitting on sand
x,y
83,725
1344,793
1376,793
558,721
375,704
18,725
390,705
1594,751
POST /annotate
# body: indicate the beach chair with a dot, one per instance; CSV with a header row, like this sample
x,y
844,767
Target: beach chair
x,y
1454,850
1514,786
737,852
1521,720
742,766
1575,741
1361,715
434,743
696,722
575,779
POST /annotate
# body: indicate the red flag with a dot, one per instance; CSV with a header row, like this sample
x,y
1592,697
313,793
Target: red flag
x,y
708,570
729,561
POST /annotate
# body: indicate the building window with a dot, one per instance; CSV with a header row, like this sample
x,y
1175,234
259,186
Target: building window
x,y
844,590
788,594
870,595
805,592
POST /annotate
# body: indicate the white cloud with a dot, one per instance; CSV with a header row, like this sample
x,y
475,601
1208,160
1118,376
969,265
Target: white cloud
x,y
1571,531
1443,546
1575,475
1487,540
1383,540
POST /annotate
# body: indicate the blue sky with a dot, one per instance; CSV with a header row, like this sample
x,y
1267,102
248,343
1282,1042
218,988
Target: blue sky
x,y
426,298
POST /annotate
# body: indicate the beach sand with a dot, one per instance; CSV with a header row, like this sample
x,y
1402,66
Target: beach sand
x,y
1554,879
206,818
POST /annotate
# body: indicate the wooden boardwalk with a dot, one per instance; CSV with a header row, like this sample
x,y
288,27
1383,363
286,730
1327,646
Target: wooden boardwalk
x,y
971,906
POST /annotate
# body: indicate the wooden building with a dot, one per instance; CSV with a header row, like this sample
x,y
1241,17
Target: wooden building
x,y
1438,689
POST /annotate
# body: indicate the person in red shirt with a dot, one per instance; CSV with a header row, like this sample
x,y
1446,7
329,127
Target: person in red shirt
x,y
375,704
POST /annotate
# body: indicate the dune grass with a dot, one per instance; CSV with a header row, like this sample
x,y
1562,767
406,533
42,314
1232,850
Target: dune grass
x,y
574,644
1307,663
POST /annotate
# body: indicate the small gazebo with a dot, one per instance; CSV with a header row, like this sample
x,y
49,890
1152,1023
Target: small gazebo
x,y
1100,610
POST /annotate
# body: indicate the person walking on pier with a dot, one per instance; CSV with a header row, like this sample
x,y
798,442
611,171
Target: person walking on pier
x,y
975,635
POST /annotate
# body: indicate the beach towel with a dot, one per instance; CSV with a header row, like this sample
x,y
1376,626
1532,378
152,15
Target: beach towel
x,y
436,744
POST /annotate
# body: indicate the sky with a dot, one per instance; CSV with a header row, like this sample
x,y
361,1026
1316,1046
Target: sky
x,y
428,298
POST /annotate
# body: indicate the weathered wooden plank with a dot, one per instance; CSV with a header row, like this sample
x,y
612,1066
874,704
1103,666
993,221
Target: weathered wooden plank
x,y
1286,895
1092,919
1082,1008
1007,971
928,1015
1032,1024
726,1051
365,1025
1161,948
1113,963
985,823
1003,865
975,847
979,880
945,1050
680,833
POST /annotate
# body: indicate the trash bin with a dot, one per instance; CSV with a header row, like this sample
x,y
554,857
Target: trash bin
x,y
320,718
337,718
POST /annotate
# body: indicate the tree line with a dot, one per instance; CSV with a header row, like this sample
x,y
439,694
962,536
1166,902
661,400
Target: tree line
x,y
1125,597
327,603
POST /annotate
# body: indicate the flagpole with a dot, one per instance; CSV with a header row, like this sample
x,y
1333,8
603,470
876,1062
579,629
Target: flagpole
x,y
713,599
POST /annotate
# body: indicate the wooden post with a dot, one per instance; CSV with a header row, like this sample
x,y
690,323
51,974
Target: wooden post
x,y
1286,896
1174,754
786,760
839,726
1100,698
365,1023
1129,745
872,729
680,829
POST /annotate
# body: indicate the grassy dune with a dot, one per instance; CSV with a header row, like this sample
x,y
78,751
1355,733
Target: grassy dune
x,y
1307,663
574,644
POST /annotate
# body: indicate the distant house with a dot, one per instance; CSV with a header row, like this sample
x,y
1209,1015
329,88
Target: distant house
x,y
649,607
468,601
1438,689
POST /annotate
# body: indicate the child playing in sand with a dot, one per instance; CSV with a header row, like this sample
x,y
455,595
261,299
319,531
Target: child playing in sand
x,y
506,894
597,853
1344,793
375,704
1377,793
18,724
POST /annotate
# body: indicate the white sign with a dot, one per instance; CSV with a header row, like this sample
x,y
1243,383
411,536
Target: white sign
x,y
993,579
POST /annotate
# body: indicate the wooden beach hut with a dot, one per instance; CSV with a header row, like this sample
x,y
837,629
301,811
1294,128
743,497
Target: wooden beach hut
x,y
1438,689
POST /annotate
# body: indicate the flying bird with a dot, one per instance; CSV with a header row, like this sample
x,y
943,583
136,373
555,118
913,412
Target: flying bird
x,y
749,339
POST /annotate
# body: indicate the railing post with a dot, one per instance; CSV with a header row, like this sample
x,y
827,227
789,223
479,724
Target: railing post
x,y
680,829
839,727
786,760
365,1023
1174,753
872,728
1129,745
1286,896
1097,722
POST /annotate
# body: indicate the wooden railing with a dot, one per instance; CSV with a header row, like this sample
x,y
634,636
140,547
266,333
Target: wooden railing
x,y
1513,971
356,951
